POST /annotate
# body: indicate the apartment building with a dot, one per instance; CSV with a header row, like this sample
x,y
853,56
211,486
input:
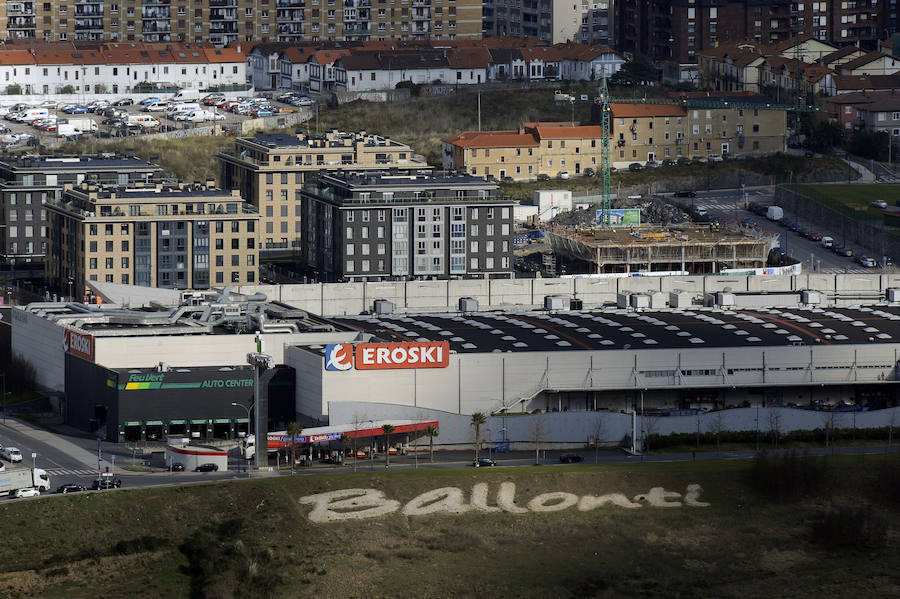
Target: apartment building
x,y
382,226
27,182
150,235
643,132
640,132
225,21
582,21
546,148
270,170
677,30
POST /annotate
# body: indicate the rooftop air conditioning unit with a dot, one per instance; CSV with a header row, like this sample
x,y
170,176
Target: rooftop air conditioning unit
x,y
468,304
382,306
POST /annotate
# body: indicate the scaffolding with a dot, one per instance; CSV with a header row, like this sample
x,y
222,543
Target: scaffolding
x,y
697,249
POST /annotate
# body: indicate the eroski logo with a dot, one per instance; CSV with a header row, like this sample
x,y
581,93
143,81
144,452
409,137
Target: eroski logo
x,y
338,356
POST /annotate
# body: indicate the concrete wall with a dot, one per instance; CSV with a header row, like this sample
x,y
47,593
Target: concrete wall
x,y
40,342
339,299
575,428
487,382
199,350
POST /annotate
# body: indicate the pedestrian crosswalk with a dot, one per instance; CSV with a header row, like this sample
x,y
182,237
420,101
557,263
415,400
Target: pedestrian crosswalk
x,y
65,471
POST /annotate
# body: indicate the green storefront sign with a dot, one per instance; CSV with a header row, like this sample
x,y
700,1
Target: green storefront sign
x,y
132,423
154,423
222,421
154,380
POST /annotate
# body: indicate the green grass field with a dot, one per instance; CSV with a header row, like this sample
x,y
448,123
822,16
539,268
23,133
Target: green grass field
x,y
852,199
255,539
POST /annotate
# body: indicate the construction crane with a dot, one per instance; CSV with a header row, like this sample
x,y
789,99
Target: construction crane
x,y
603,100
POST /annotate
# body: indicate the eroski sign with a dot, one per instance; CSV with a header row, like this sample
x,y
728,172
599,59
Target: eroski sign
x,y
383,356
362,504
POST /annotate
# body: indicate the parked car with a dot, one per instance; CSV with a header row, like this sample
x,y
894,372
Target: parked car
x,y
107,482
483,462
563,174
866,261
589,172
651,164
151,100
684,161
635,167
879,204
70,488
123,102
716,158
814,236
303,101
842,251
76,109
177,467
208,467
26,493
686,193
669,162
570,458
543,177
210,99
507,179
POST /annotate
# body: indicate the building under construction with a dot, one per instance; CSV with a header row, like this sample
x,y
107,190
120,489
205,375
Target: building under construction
x,y
697,249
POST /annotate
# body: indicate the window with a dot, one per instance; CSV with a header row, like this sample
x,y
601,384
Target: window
x,y
349,266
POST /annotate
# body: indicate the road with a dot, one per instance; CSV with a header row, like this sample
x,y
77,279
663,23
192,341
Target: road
x,y
64,468
727,204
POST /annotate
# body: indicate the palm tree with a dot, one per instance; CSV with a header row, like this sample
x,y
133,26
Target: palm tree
x,y
478,418
432,431
345,442
293,431
387,429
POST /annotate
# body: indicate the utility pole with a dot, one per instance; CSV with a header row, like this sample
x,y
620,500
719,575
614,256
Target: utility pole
x,y
479,111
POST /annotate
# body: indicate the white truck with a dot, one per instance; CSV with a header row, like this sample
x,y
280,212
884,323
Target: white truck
x,y
774,213
73,127
25,478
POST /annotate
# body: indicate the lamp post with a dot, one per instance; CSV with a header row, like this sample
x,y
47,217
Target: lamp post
x,y
372,448
260,362
256,443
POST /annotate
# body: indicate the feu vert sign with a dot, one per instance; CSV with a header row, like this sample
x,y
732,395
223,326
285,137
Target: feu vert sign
x,y
154,380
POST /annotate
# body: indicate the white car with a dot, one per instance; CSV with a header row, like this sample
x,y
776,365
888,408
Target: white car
x,y
879,204
26,493
12,454
715,158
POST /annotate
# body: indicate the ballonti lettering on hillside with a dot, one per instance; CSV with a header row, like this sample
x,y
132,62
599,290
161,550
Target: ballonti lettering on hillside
x,y
363,504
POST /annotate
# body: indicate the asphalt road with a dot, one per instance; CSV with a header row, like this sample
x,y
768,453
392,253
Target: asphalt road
x,y
727,204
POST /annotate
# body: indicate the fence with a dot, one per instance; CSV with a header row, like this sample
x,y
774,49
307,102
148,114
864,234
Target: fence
x,y
844,225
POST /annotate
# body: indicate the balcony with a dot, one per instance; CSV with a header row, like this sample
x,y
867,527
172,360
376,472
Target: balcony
x,y
365,30
289,16
223,14
290,3
215,3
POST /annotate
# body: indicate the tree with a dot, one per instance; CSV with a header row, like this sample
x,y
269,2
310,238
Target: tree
x,y
478,419
432,431
14,90
345,442
67,89
774,425
633,73
357,421
651,427
387,429
537,435
718,425
599,432
293,431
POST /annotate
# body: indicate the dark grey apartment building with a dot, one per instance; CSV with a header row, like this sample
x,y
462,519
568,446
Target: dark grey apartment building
x,y
370,226
28,182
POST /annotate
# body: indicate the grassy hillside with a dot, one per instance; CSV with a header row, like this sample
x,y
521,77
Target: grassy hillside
x,y
783,528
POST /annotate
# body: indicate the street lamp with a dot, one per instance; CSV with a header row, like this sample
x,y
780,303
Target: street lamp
x,y
256,442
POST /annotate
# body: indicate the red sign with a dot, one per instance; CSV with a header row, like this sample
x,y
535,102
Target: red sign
x,y
423,354
79,344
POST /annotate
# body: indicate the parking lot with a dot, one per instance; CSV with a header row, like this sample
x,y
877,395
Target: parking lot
x,y
119,120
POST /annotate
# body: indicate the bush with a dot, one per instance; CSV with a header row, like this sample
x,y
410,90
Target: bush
x,y
788,475
14,90
414,88
140,545
859,528
67,89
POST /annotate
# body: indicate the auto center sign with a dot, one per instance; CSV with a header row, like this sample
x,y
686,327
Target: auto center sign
x,y
79,344
384,356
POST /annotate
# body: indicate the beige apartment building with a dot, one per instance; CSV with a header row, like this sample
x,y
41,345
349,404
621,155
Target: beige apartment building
x,y
224,21
270,170
639,133
154,236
